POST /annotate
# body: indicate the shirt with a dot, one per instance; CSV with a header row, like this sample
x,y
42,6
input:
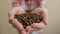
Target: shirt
x,y
29,4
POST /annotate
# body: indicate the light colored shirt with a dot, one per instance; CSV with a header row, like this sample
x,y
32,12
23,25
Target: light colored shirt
x,y
29,4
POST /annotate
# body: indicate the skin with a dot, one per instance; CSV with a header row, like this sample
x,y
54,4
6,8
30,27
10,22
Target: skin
x,y
43,23
19,10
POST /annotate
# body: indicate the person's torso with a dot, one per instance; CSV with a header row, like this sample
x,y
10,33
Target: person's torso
x,y
27,6
34,3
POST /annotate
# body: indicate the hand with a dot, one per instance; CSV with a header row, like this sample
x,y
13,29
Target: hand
x,y
43,23
38,26
43,12
15,22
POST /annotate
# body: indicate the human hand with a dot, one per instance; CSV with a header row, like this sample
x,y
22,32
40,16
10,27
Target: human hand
x,y
15,22
43,23
43,12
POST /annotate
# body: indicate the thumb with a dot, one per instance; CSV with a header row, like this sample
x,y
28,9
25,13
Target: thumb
x,y
11,16
12,13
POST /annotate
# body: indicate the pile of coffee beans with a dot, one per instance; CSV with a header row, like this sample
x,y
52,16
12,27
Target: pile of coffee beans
x,y
28,19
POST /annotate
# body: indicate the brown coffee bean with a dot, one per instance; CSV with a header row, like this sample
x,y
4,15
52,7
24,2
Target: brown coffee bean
x,y
28,19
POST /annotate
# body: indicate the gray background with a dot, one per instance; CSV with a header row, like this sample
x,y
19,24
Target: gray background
x,y
53,27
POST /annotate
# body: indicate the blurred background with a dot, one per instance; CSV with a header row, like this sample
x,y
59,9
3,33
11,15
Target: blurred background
x,y
53,26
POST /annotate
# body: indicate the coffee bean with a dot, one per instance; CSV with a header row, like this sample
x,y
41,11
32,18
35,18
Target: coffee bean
x,y
28,19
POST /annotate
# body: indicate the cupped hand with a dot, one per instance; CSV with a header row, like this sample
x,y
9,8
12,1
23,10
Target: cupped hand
x,y
43,12
15,22
40,25
19,26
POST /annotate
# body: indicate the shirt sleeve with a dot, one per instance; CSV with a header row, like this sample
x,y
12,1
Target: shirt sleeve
x,y
16,3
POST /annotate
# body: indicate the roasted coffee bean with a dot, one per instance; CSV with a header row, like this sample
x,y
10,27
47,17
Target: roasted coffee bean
x,y
28,19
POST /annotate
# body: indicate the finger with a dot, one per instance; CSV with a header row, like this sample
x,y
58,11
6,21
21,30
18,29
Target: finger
x,y
36,25
42,25
37,11
12,13
45,16
11,16
40,31
28,29
23,32
17,24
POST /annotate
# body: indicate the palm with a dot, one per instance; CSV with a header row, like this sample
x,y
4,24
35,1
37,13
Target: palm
x,y
36,25
15,22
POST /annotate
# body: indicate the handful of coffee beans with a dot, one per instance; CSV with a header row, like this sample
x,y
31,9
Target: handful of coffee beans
x,y
28,19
